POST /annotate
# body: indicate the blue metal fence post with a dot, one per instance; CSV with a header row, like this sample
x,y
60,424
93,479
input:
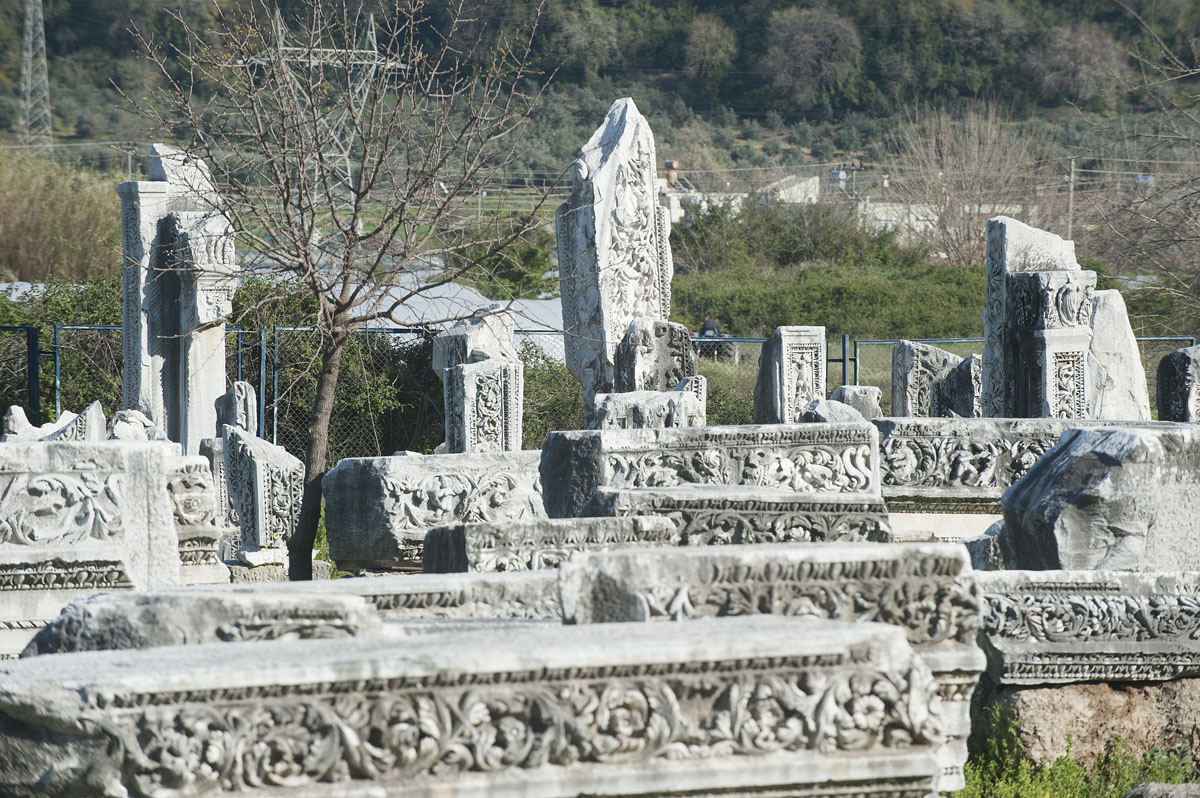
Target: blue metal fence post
x,y
35,382
262,382
275,390
845,358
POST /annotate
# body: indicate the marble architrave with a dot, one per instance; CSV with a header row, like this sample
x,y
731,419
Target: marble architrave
x,y
800,458
654,355
266,485
1059,627
539,543
791,373
378,509
1179,386
916,367
483,403
77,518
179,276
708,515
928,590
614,254
737,707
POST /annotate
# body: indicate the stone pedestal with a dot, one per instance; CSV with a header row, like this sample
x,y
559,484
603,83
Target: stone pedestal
x,y
483,406
791,373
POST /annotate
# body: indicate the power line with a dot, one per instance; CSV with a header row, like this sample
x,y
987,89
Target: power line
x,y
36,131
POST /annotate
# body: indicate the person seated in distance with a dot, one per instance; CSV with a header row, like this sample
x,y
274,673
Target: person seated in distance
x,y
709,328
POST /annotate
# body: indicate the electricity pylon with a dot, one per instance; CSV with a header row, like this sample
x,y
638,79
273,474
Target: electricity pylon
x,y
35,85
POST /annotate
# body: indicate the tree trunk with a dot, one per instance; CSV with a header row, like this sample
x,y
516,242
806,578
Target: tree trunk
x,y
301,544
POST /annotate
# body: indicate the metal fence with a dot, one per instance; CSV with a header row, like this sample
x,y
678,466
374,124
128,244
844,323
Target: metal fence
x,y
20,382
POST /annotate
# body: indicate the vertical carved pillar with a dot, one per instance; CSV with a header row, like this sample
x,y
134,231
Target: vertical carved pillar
x,y
483,406
1049,333
791,373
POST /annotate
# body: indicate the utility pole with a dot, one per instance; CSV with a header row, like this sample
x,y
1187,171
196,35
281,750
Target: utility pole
x,y
1071,200
36,132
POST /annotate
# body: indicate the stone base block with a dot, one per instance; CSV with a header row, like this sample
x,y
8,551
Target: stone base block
x,y
947,527
731,707
530,545
716,514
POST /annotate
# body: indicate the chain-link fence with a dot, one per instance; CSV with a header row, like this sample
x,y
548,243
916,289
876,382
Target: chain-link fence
x,y
86,367
19,377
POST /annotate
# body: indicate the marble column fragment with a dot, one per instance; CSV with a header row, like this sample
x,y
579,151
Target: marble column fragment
x,y
488,334
654,355
266,484
1179,386
483,406
614,255
791,373
915,368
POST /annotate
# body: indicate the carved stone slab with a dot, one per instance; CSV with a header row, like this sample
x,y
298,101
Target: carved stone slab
x,y
1057,627
791,373
614,254
752,706
87,426
654,355
487,335
265,485
915,369
1116,377
193,494
718,514
542,543
1179,386
483,403
213,450
802,458
77,518
957,392
238,407
647,410
377,509
863,398
926,589
1120,499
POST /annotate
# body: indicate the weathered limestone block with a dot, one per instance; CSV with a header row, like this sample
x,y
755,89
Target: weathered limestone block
x,y
1116,377
179,275
1058,627
739,707
698,385
238,407
190,485
213,450
540,543
915,369
1178,382
802,458
614,254
1012,247
647,410
133,425
377,509
265,484
654,355
1120,499
483,403
926,589
718,514
87,426
791,373
1048,336
1161,790
76,518
957,392
828,411
488,335
863,398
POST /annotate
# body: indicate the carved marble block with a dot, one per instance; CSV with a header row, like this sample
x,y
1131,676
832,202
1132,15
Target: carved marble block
x,y
647,410
541,543
791,373
238,407
483,403
654,355
1179,386
133,425
863,398
801,458
737,707
1058,627
706,515
1116,377
377,509
193,493
179,275
928,590
77,518
915,369
266,484
1116,499
85,427
1012,247
487,335
614,255
956,393
213,450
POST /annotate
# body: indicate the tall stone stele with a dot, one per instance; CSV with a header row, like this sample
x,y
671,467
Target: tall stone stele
x,y
614,258
483,383
179,275
791,373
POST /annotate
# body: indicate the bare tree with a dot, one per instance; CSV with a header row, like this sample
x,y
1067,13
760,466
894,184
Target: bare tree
x,y
953,172
345,146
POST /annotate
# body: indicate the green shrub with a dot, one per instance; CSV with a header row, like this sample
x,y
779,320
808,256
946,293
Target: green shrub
x,y
553,398
823,151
